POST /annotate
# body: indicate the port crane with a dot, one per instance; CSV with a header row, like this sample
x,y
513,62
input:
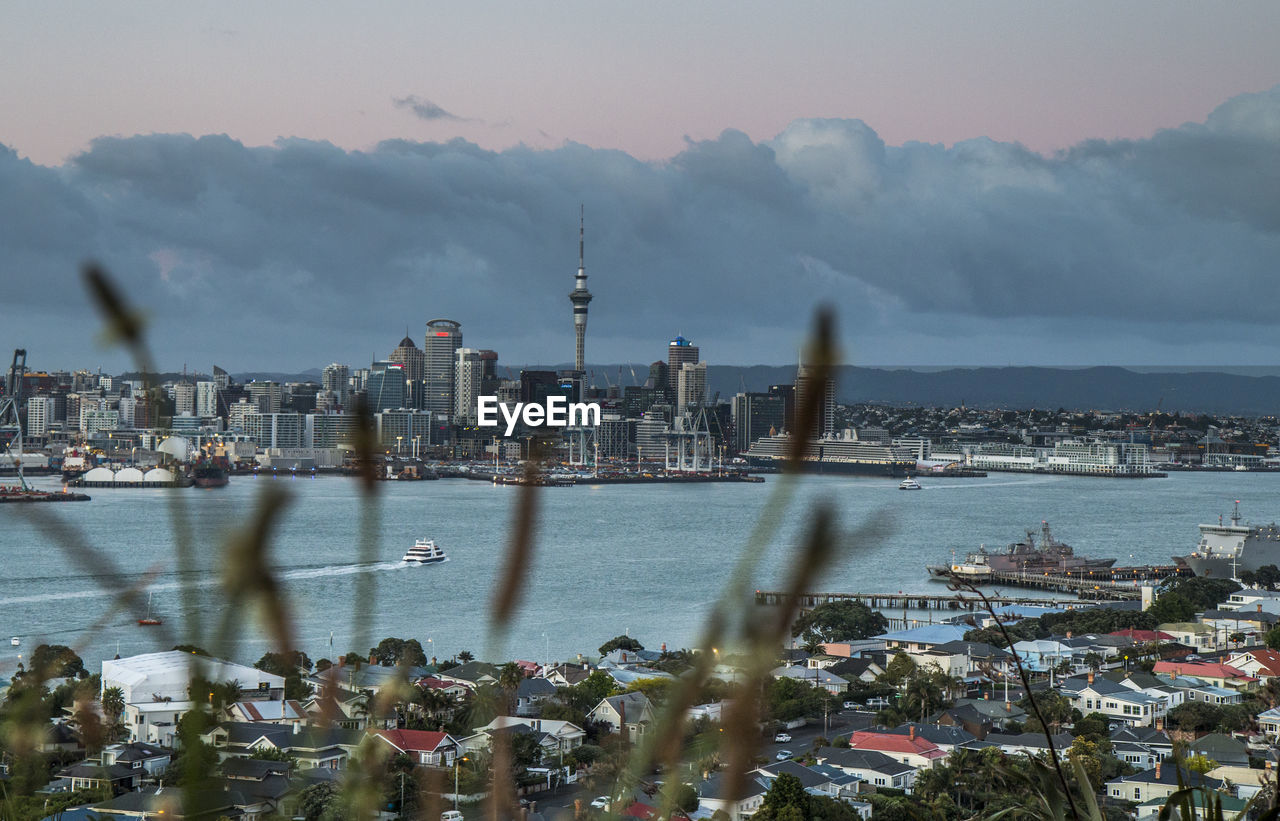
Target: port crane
x,y
10,408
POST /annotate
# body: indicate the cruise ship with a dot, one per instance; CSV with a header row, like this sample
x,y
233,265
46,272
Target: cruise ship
x,y
833,456
1224,550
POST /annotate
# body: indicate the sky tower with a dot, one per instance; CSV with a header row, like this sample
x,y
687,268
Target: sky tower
x,y
580,297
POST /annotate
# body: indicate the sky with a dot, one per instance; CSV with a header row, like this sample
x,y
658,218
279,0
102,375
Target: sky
x,y
279,186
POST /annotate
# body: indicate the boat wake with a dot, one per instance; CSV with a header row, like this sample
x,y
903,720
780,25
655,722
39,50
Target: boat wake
x,y
209,581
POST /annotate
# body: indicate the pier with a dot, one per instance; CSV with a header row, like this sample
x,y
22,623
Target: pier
x,y
958,602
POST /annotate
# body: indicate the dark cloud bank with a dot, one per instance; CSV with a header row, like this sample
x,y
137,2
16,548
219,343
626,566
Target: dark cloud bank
x,y
296,254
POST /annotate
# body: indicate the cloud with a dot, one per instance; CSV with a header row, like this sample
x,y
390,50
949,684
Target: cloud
x,y
425,109
300,252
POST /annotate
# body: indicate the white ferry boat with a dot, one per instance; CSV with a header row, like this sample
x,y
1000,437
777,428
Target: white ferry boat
x,y
424,551
910,484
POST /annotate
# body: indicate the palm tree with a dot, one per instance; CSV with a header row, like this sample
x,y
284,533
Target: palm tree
x,y
113,706
509,679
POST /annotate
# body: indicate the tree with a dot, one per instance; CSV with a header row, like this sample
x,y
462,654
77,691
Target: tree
x,y
1092,726
1201,763
843,620
1172,607
57,661
393,651
1272,638
620,643
314,800
281,664
113,704
1202,592
786,800
900,667
466,656
686,797
271,754
1195,716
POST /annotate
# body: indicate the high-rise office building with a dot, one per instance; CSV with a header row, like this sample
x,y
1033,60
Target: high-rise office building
x,y
335,378
581,298
679,352
444,338
755,415
825,395
385,387
206,399
40,411
468,378
184,399
691,386
415,363
268,396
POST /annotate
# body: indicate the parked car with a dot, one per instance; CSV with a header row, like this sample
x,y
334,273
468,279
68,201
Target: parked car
x,y
601,803
783,755
851,705
450,815
878,703
782,738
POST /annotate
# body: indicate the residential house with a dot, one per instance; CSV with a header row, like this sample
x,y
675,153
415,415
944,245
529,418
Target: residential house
x,y
1221,748
312,747
857,669
947,738
287,712
923,637
1043,655
1251,624
849,649
262,783
1262,663
909,749
714,796
998,712
120,767
567,675
1199,637
1157,782
1141,747
829,781
1269,723
1117,701
156,722
959,659
170,803
471,674
873,768
1222,675
631,711
339,706
425,748
556,736
827,680
1031,744
531,694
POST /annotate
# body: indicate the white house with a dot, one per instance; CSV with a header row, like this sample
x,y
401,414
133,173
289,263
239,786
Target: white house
x,y
157,676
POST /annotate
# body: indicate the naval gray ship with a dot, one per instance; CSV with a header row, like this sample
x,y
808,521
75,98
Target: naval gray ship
x,y
1225,550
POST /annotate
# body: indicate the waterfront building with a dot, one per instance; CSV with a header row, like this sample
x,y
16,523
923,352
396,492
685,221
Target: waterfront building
x,y
415,365
407,430
825,395
443,339
274,430
468,379
385,387
238,413
329,430
98,418
756,415
651,435
614,436
680,351
335,379
581,298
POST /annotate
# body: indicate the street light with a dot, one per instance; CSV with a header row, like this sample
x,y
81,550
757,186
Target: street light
x,y
456,763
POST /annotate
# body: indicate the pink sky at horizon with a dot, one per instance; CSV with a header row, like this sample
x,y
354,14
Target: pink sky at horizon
x,y
638,79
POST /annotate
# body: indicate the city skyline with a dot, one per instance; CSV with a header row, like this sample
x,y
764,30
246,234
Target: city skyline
x,y
1122,213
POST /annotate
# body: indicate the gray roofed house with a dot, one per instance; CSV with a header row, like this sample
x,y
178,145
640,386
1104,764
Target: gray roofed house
x,y
472,672
169,802
947,738
1222,748
631,710
873,767
807,777
714,794
531,694
1029,743
312,746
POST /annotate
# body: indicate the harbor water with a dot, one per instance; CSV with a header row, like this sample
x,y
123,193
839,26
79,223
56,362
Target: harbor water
x,y
648,560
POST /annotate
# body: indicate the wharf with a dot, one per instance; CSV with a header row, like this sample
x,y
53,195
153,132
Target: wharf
x,y
914,601
18,496
569,480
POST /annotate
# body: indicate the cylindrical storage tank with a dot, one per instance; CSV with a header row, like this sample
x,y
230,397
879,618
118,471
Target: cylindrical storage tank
x,y
129,476
177,447
98,475
158,476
